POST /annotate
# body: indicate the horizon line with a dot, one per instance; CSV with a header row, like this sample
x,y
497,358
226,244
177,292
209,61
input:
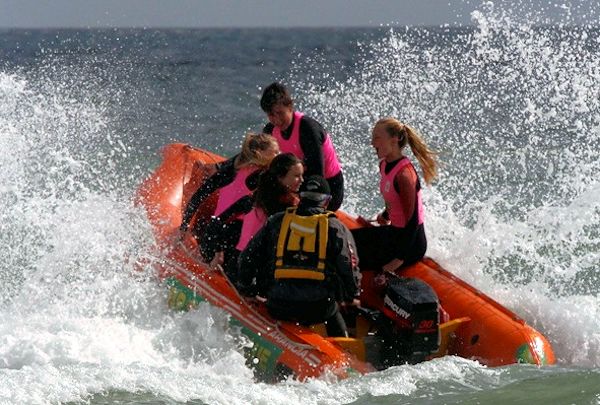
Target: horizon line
x,y
167,27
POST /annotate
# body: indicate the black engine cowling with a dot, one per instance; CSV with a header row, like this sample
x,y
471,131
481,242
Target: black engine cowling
x,y
407,325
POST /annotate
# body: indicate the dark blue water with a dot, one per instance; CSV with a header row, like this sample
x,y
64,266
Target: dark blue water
x,y
512,107
179,83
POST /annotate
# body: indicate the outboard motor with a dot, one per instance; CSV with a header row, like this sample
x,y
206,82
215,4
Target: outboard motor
x,y
407,325
413,306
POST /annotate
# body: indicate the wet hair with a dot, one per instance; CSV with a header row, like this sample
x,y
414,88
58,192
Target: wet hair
x,y
275,94
408,136
254,143
270,192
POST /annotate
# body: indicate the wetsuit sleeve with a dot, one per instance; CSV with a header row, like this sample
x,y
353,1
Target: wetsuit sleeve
x,y
248,265
343,251
254,263
405,185
240,207
312,138
224,175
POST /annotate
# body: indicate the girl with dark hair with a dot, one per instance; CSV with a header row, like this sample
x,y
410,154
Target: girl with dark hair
x,y
277,189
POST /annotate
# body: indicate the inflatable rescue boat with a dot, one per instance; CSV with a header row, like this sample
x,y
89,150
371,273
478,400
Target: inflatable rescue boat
x,y
399,322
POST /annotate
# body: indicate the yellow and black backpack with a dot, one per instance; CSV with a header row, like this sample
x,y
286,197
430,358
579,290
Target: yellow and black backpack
x,y
302,246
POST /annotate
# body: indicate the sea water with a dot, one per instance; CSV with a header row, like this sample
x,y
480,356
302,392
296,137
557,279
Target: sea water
x,y
510,103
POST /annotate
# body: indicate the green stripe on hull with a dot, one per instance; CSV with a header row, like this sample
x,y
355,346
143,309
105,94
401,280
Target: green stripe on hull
x,y
261,357
181,298
524,355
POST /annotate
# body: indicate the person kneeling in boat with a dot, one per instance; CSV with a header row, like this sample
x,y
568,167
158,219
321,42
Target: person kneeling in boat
x,y
235,179
400,238
303,262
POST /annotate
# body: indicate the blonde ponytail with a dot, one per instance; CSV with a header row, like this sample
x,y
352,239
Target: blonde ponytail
x,y
406,135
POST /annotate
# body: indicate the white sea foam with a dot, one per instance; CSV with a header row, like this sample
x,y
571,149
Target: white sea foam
x,y
83,313
513,109
515,213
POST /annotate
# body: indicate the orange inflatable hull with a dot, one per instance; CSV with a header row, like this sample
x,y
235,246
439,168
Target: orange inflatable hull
x,y
479,327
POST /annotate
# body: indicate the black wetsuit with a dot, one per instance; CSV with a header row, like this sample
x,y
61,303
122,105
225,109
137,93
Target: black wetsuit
x,y
302,300
223,232
224,176
312,138
378,245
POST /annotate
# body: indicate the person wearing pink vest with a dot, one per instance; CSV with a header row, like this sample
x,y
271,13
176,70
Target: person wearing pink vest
x,y
277,190
400,237
235,179
304,137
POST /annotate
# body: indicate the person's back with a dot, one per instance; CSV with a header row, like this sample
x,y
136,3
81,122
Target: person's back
x,y
303,263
